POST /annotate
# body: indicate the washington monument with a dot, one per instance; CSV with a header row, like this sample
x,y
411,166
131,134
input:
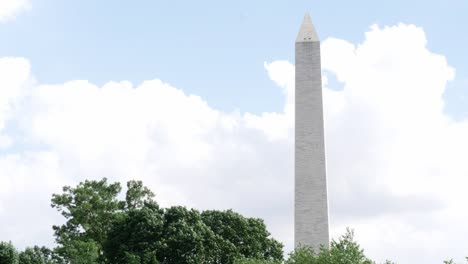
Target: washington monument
x,y
310,201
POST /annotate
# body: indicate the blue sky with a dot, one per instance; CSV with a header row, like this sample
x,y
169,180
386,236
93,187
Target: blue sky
x,y
214,49
206,118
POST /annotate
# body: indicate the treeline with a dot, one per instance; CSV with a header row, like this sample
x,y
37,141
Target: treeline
x,y
102,228
343,251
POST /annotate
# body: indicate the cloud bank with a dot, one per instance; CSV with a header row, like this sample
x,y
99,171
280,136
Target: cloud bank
x,y
9,9
396,163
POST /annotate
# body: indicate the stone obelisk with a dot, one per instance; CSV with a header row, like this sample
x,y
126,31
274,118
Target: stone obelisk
x,y
311,204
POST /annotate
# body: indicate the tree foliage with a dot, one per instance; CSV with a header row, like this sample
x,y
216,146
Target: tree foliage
x,y
8,253
136,230
242,237
344,251
37,255
137,195
135,236
89,209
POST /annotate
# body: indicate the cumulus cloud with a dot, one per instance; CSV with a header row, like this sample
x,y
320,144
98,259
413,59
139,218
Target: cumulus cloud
x,y
395,161
10,8
186,151
393,155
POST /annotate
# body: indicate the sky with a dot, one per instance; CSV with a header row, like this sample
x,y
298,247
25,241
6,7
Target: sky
x,y
196,99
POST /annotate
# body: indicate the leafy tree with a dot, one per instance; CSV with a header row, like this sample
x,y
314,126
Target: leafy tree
x,y
130,258
89,208
302,255
137,195
242,237
180,235
255,261
187,239
136,236
136,230
37,255
82,252
343,251
8,253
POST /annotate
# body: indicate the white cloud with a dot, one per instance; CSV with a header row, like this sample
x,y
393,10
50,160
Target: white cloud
x,y
5,141
10,8
396,163
26,183
394,158
14,78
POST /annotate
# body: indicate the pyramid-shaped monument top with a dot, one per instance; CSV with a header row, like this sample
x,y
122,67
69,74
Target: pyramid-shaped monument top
x,y
307,32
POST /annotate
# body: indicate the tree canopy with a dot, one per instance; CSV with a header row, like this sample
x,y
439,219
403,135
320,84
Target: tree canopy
x,y
8,253
101,228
